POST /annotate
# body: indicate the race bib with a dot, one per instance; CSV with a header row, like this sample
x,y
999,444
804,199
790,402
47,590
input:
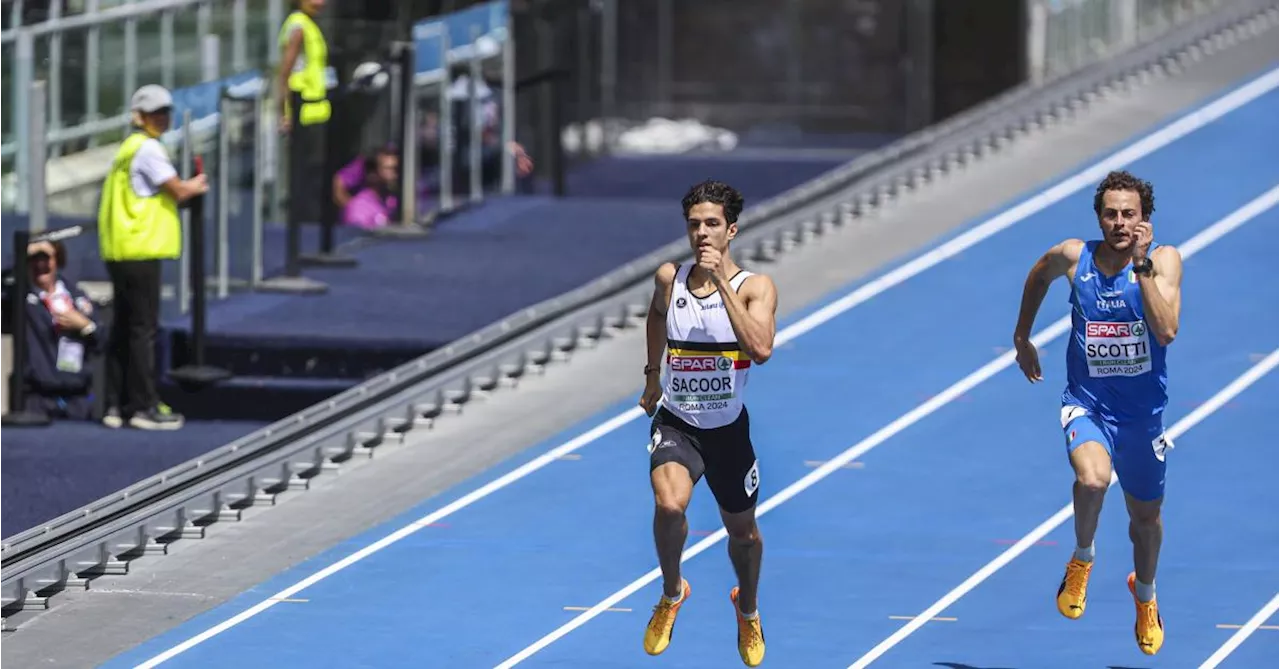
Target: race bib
x,y
702,382
751,482
70,356
1117,349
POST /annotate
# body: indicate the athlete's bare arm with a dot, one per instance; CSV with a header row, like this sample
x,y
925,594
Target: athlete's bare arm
x,y
1162,293
656,336
1058,261
752,311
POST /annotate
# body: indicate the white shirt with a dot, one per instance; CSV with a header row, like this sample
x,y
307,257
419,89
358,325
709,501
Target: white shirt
x,y
151,167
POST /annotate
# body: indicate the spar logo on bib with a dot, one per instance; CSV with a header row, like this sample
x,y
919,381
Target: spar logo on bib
x,y
702,382
1117,330
1117,349
701,363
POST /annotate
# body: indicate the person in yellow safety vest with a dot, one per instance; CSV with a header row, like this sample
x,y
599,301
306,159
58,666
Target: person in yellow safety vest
x,y
303,66
138,227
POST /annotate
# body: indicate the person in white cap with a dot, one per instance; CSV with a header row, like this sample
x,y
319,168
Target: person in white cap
x,y
138,227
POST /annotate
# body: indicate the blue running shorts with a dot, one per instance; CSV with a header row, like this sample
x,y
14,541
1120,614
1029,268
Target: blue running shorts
x,y
1137,449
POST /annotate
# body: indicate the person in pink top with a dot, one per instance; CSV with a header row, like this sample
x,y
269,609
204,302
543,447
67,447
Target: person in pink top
x,y
365,189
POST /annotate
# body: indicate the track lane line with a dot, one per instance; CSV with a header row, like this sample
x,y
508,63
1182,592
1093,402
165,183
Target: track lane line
x,y
1148,144
1243,633
1059,327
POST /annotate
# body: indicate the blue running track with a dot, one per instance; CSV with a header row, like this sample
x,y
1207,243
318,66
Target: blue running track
x,y
850,557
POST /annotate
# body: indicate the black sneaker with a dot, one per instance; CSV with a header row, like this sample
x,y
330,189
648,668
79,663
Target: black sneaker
x,y
159,417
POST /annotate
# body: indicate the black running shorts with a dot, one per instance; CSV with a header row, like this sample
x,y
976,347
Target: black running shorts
x,y
724,454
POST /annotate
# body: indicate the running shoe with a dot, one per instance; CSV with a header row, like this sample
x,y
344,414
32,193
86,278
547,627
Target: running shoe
x,y
657,636
1072,591
1149,628
750,635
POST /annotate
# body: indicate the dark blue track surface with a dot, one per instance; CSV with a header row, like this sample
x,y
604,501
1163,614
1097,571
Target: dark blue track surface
x,y
887,537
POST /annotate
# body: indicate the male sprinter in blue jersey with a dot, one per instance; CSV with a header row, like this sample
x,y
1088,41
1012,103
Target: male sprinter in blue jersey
x,y
1125,300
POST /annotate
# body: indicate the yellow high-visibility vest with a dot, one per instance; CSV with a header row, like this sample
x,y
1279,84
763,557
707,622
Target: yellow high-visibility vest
x,y
132,227
308,78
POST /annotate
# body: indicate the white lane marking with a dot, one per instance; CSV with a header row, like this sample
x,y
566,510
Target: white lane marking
x,y
1243,633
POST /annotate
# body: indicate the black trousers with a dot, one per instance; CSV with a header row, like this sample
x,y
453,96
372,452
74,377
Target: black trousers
x,y
131,347
309,176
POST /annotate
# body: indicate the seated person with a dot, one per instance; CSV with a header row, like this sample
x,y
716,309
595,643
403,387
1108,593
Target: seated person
x,y
366,189
62,336
488,112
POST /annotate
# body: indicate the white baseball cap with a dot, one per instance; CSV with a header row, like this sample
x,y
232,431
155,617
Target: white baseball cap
x,y
151,98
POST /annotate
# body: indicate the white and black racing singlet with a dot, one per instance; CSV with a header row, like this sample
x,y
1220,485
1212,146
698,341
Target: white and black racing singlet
x,y
706,371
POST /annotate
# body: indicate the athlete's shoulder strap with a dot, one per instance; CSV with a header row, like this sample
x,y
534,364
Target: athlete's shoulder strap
x,y
679,283
1086,255
739,278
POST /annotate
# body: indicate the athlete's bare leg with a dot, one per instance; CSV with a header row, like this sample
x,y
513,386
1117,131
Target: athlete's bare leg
x,y
672,489
1146,531
1092,466
746,548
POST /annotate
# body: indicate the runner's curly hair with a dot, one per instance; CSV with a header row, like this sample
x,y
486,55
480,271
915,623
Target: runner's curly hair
x,y
715,192
1122,180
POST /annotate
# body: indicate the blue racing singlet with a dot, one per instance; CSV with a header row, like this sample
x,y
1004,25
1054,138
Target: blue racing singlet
x,y
1115,367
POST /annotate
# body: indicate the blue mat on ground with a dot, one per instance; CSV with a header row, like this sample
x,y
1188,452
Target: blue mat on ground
x,y
470,271
46,472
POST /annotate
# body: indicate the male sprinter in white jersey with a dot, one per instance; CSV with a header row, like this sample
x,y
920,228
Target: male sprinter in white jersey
x,y
1125,300
708,322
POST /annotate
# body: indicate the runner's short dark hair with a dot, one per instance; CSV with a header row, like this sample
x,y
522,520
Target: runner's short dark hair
x,y
1123,180
715,192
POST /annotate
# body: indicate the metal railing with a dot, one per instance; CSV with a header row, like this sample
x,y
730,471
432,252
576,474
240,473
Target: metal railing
x,y
101,536
1065,35
198,129
107,42
474,35
233,125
